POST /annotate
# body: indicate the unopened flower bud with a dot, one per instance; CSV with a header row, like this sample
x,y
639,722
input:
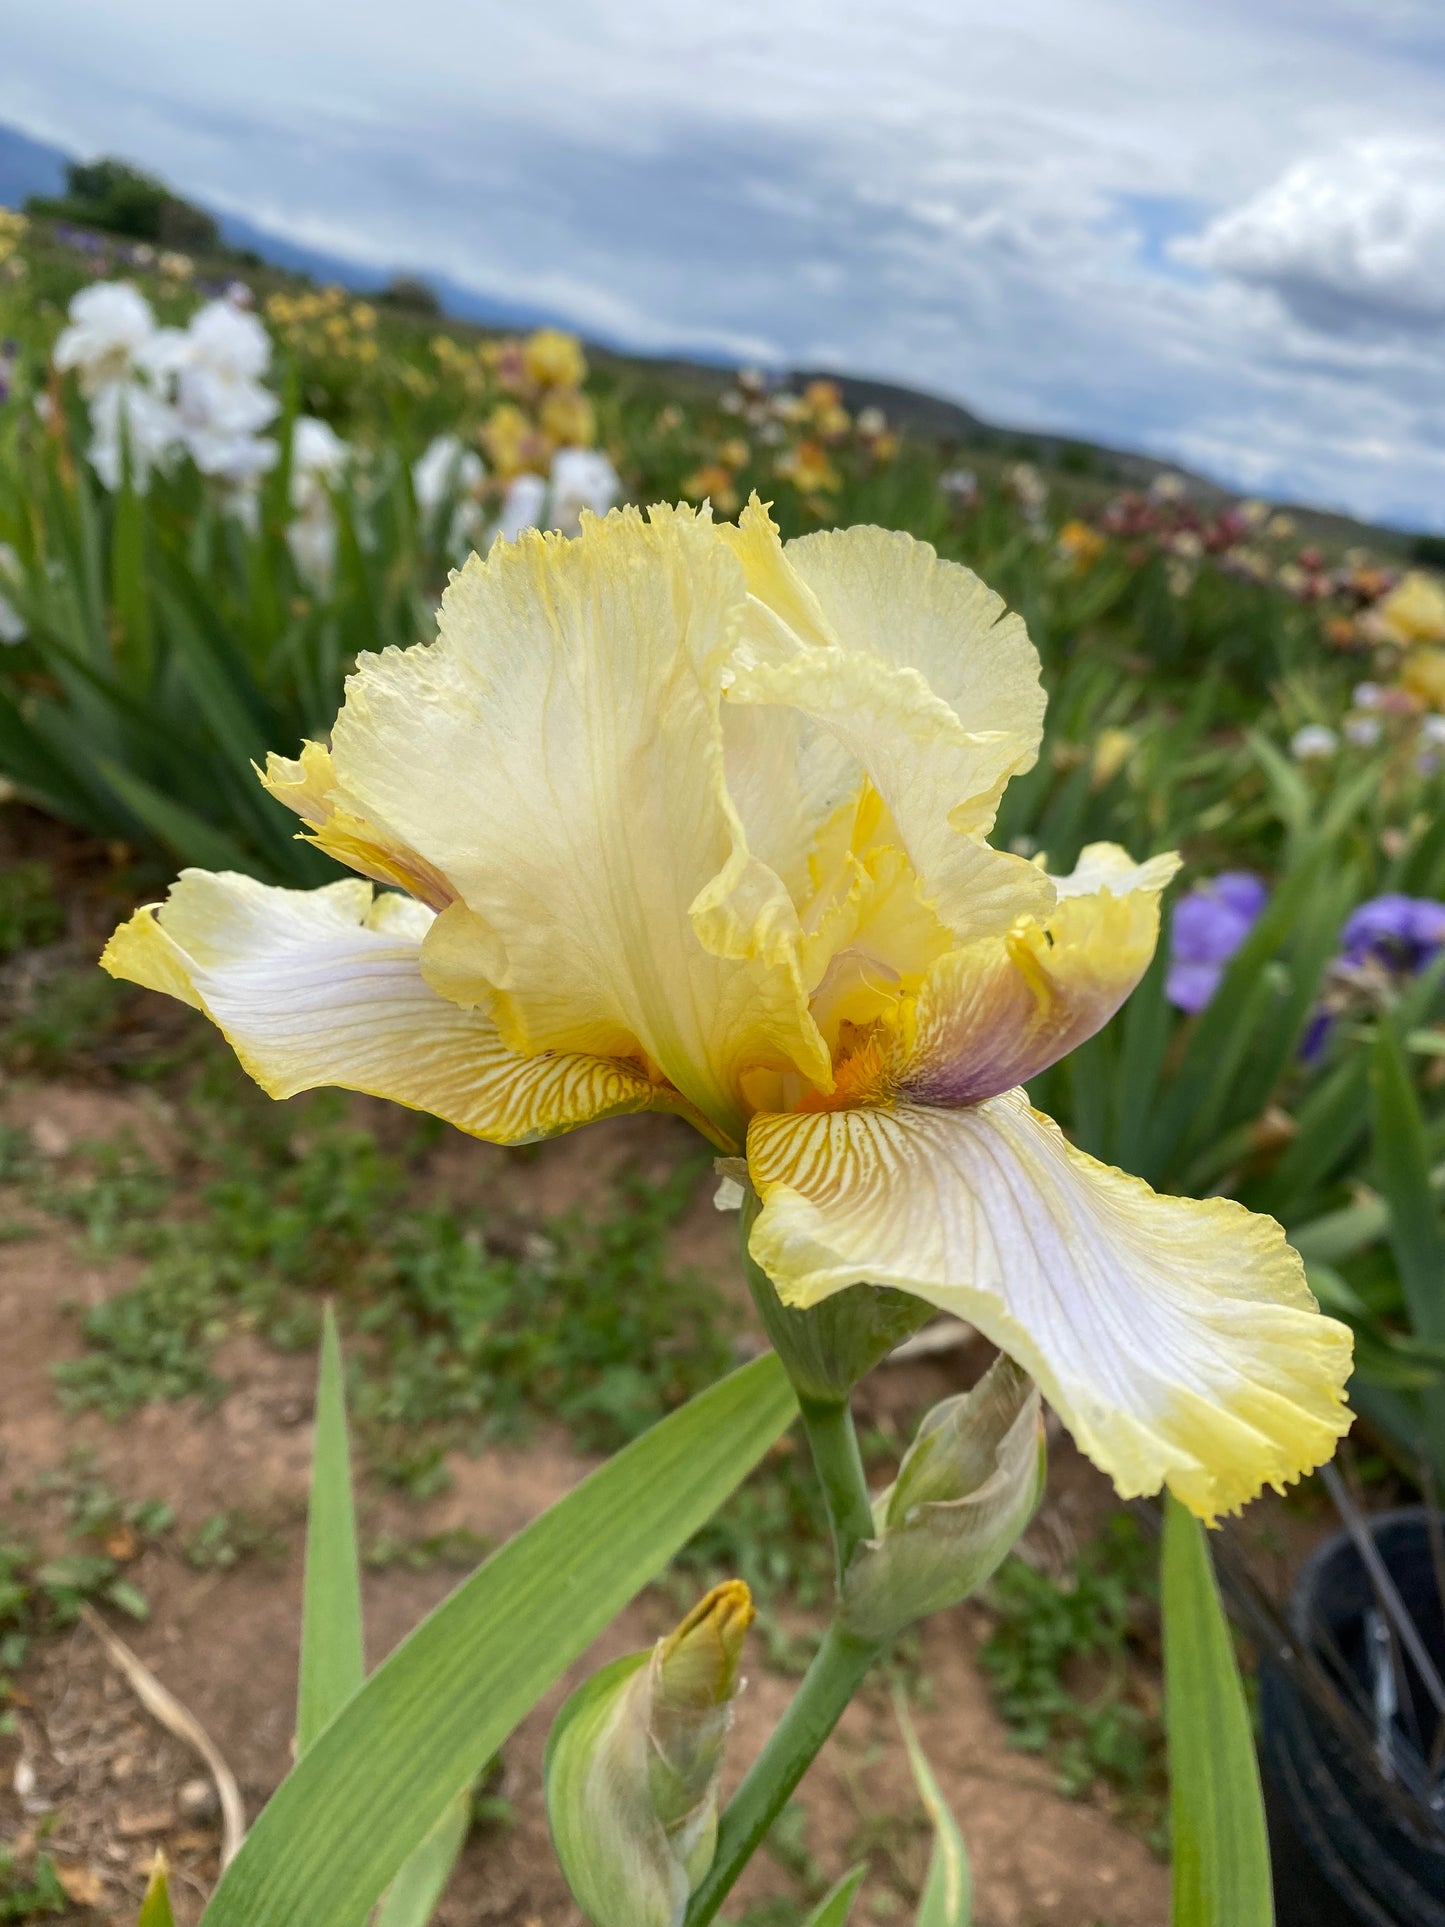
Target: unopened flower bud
x,y
966,1489
633,1765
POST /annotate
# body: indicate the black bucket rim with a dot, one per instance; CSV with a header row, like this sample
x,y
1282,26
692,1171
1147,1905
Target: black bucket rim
x,y
1310,1765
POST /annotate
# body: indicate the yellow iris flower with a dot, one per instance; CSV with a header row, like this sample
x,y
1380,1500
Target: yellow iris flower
x,y
1414,610
673,816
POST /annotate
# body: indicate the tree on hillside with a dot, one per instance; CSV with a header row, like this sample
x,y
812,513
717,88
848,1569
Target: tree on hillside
x,y
120,199
408,291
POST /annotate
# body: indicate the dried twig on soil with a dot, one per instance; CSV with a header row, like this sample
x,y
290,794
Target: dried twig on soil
x,y
163,1705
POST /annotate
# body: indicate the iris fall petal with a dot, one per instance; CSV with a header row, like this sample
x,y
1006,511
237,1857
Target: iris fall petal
x,y
1177,1339
314,987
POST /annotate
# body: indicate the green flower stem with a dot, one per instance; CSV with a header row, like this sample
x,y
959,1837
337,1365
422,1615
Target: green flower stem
x,y
825,1350
839,1464
828,1685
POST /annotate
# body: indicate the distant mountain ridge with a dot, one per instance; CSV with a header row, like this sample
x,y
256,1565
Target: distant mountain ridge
x,y
31,166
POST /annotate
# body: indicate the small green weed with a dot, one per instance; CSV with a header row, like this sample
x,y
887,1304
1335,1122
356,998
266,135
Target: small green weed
x,y
787,1844
491,1809
30,913
152,1342
39,1595
226,1538
95,1510
1058,1660
468,1329
28,1895
770,1533
456,1548
18,1166
115,1204
60,1019
17,1154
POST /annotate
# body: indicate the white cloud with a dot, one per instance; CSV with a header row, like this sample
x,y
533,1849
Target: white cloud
x,y
984,202
1348,239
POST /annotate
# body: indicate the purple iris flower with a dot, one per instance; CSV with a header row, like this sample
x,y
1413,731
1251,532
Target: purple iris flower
x,y
1210,924
1398,934
1402,933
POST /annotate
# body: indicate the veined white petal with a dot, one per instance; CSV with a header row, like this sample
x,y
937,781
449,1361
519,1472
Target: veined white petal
x,y
314,987
1177,1339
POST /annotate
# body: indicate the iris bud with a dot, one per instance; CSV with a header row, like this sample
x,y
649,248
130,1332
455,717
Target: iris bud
x,y
966,1489
633,1765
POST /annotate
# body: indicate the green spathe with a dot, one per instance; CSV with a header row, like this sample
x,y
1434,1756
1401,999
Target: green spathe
x,y
966,1489
633,1765
829,1347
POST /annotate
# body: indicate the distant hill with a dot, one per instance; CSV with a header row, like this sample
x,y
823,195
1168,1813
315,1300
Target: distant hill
x,y
466,304
29,166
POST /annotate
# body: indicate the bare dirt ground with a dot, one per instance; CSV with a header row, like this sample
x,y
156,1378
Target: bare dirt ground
x,y
104,1785
87,1775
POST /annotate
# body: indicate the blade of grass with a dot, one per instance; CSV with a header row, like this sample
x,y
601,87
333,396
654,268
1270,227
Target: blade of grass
x,y
1221,1853
1417,1233
1191,1105
134,643
836,1905
1329,1123
948,1890
1403,1169
189,837
332,1660
1147,1022
369,1790
1312,944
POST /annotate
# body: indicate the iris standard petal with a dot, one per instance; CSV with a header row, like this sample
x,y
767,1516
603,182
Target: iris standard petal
x,y
307,784
314,987
558,756
1177,1339
996,1013
910,664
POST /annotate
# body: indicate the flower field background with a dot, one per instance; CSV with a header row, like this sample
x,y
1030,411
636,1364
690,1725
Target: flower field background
x,y
214,493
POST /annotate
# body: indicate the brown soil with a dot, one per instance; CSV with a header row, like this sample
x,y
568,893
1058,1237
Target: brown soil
x,y
105,1785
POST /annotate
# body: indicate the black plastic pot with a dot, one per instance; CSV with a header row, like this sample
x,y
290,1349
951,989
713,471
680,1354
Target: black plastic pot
x,y
1345,1851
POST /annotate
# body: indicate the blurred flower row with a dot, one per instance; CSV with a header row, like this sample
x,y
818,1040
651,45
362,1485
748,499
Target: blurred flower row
x,y
767,434
1385,941
158,395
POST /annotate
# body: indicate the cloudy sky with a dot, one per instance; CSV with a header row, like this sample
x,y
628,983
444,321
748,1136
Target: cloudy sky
x,y
1214,229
